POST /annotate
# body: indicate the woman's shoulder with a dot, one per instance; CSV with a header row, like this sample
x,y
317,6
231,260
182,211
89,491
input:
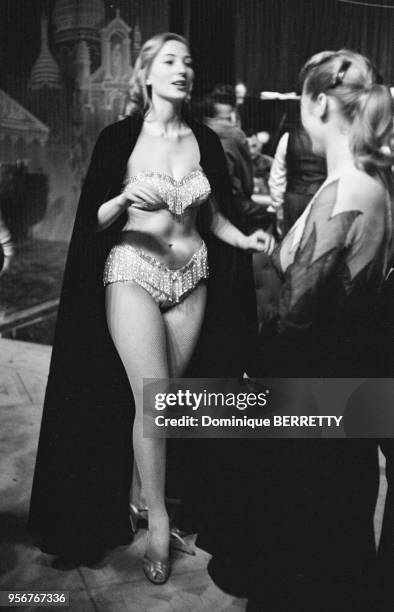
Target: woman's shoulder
x,y
363,189
354,190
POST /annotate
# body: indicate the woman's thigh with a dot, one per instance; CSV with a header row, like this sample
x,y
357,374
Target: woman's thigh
x,y
137,329
183,324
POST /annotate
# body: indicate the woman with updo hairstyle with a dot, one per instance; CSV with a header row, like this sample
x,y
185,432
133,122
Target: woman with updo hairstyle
x,y
336,256
157,280
308,504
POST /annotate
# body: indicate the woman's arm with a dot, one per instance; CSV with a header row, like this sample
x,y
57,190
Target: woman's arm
x,y
109,211
222,205
133,193
223,229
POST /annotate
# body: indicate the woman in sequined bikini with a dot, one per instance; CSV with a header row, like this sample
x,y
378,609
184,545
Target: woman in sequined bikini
x,y
154,275
153,179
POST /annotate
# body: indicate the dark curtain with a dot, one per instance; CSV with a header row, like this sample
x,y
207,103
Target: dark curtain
x,y
154,16
273,38
180,17
210,27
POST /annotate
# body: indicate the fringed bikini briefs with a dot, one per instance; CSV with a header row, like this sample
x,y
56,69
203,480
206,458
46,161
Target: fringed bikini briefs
x,y
167,287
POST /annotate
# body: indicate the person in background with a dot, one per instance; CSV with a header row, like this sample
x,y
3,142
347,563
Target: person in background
x,y
218,111
261,162
6,243
296,174
265,277
240,91
219,116
6,246
263,212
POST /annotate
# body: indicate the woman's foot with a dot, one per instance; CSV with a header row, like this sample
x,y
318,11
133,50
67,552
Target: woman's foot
x,y
156,563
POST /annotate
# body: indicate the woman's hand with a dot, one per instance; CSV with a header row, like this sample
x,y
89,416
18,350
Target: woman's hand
x,y
139,192
136,193
223,229
260,241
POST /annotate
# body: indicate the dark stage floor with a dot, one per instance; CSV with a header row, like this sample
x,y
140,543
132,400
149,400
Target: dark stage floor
x,y
30,291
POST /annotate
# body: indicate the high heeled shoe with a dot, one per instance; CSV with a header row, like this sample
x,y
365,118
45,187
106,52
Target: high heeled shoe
x,y
138,518
157,572
177,536
178,542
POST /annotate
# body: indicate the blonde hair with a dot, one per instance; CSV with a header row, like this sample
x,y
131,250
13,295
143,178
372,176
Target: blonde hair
x,y
364,100
139,99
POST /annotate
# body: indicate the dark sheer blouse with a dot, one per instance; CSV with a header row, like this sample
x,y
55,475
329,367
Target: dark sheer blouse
x,y
333,263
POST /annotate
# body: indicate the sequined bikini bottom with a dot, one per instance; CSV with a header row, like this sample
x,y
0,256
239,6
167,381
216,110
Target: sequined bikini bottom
x,y
167,287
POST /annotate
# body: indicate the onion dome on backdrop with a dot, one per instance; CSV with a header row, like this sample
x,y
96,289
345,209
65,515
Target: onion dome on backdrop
x,y
45,71
76,19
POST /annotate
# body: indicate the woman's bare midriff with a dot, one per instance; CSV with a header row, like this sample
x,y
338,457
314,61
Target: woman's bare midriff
x,y
161,235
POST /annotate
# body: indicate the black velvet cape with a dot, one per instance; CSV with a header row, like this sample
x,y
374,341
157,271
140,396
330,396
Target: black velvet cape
x,y
84,462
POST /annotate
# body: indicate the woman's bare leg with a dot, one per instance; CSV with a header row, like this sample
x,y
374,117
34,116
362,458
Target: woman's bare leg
x,y
137,329
146,340
183,324
136,493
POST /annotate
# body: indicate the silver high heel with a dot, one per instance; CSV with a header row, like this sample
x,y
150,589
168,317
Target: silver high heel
x,y
157,572
177,536
138,518
178,542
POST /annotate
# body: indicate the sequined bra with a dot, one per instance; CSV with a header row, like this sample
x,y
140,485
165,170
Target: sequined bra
x,y
192,190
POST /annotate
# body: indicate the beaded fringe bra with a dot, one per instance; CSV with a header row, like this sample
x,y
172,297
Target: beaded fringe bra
x,y
192,189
